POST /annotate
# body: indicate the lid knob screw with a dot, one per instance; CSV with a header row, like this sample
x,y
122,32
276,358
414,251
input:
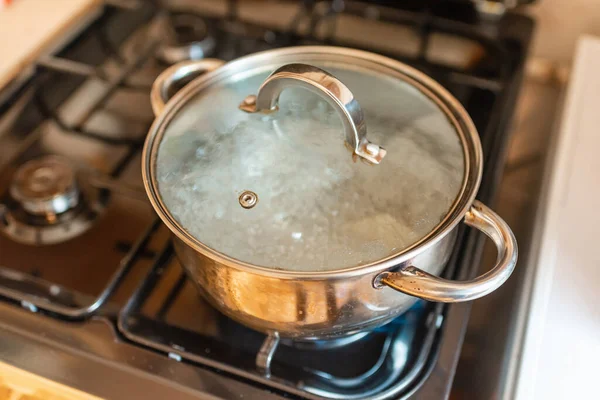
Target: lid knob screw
x,y
248,199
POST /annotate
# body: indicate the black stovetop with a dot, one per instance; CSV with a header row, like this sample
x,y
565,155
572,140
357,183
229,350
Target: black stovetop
x,y
90,104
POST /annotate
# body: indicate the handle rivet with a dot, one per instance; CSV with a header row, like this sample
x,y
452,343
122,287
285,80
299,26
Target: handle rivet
x,y
372,149
249,104
250,100
377,282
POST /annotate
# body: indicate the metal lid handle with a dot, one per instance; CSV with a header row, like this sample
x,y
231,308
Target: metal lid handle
x,y
330,89
419,283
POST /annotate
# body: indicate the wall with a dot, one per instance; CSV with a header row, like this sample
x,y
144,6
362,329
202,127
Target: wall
x,y
560,23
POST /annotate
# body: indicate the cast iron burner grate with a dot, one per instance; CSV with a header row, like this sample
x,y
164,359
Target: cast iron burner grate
x,y
384,363
120,53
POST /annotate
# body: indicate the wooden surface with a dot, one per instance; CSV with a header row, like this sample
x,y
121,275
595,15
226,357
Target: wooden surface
x,y
29,28
16,384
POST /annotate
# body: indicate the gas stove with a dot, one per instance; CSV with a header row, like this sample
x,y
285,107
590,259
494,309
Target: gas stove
x,y
87,271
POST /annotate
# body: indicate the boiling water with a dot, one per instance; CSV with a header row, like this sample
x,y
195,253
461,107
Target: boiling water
x,y
317,208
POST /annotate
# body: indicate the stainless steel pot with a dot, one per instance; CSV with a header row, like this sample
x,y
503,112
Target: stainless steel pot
x,y
320,304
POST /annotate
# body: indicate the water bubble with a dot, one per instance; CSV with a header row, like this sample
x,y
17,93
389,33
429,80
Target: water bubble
x,y
200,152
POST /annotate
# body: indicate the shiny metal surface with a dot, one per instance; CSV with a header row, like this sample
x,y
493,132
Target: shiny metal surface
x,y
265,354
176,76
45,186
76,263
17,227
248,199
310,307
329,88
49,201
446,102
418,283
318,206
323,304
78,353
38,294
387,361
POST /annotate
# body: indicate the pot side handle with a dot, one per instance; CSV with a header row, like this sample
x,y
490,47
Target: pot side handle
x,y
175,77
327,87
418,283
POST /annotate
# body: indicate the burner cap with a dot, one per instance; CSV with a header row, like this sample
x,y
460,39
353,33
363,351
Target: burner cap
x,y
187,38
45,186
49,202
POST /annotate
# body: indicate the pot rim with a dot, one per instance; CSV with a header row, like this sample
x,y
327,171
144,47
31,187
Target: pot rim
x,y
454,111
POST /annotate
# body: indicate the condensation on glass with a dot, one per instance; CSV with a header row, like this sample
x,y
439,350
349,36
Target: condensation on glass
x,y
319,209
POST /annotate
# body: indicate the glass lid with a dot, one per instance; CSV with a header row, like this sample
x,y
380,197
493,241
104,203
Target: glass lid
x,y
291,188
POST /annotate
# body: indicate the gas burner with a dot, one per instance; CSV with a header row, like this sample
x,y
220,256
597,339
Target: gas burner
x,y
324,344
46,203
45,187
187,38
